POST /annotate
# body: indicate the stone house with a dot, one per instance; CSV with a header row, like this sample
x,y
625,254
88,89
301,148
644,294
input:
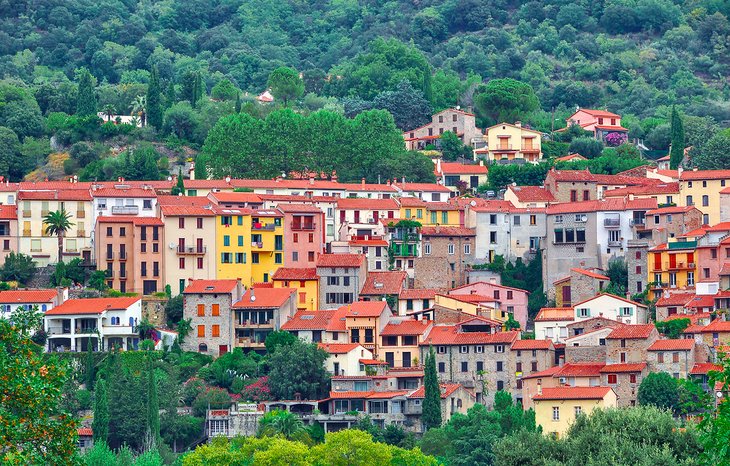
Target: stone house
x,y
454,399
447,253
628,344
208,304
637,251
383,286
342,276
459,122
672,222
589,346
528,357
571,185
259,312
675,357
525,197
625,380
581,284
511,300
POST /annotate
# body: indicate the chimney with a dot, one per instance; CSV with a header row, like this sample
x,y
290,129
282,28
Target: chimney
x,y
539,388
362,182
518,124
311,178
438,165
388,182
481,162
228,179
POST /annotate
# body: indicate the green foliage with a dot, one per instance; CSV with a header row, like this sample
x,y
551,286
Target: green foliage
x,y
511,323
672,328
298,368
277,339
285,84
714,430
10,158
86,97
587,147
211,398
90,367
500,176
618,273
505,100
658,389
57,223
431,417
17,267
100,426
153,405
452,148
226,90
174,310
677,151
182,121
235,364
693,399
154,100
284,423
409,107
713,154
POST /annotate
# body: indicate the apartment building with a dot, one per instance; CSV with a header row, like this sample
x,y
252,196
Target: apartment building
x,y
701,188
512,143
342,276
304,235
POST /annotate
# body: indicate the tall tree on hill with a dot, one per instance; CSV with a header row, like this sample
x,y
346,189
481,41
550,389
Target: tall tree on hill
x,y
86,97
90,369
170,95
237,107
153,404
285,84
505,100
676,155
100,425
154,100
198,91
432,401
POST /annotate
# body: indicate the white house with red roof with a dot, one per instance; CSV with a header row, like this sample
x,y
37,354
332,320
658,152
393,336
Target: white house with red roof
x,y
429,192
455,398
45,299
106,322
415,300
599,122
451,174
123,199
552,323
611,307
526,197
344,358
311,326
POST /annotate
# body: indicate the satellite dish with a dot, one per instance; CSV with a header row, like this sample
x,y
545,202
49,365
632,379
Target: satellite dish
x,y
172,245
473,203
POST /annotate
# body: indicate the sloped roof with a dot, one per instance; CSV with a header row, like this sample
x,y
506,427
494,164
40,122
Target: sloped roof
x,y
27,296
406,327
340,260
299,208
602,205
450,335
418,293
448,231
93,305
55,195
455,168
702,368
309,320
681,344
573,393
225,197
690,175
210,286
8,212
123,192
580,369
446,390
365,308
674,299
384,283
421,187
549,314
628,332
338,348
549,372
532,193
140,221
526,345
264,298
590,273
293,273
616,368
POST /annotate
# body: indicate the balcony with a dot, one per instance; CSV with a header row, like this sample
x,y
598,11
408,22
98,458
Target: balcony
x,y
125,210
614,243
257,244
303,226
109,255
109,273
530,149
191,250
503,148
266,227
248,343
612,222
249,324
122,255
637,222
366,238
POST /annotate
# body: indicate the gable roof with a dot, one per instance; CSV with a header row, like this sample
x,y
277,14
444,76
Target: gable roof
x,y
550,314
340,260
526,345
580,369
451,335
358,203
532,193
681,344
549,372
614,368
309,320
264,298
365,308
27,296
93,305
406,327
446,390
417,293
631,332
338,348
384,283
455,168
210,286
293,273
573,393
589,273
444,231
598,113
627,301
690,175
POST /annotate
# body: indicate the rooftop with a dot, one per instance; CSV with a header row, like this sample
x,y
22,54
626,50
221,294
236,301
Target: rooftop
x,y
617,368
418,293
690,175
580,369
629,332
309,320
550,314
340,260
532,193
455,168
338,348
451,335
93,305
446,390
365,308
406,327
573,393
210,286
27,296
590,273
448,231
682,344
526,345
264,298
293,273
384,283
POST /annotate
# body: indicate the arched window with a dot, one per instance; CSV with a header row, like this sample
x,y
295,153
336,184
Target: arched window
x,y
202,348
44,307
131,321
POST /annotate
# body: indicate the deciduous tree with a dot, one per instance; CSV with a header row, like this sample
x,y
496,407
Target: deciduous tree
x,y
86,97
285,84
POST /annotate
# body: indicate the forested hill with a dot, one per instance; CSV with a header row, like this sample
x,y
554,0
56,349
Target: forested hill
x,y
632,56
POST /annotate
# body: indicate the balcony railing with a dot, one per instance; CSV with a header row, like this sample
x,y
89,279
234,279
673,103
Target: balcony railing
x,y
191,250
261,226
611,222
500,147
122,255
109,255
614,243
530,149
303,226
637,222
257,244
125,210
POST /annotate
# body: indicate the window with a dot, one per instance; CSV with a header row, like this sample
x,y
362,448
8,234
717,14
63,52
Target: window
x,y
558,219
493,237
559,238
705,200
464,366
516,220
492,219
675,357
463,349
109,232
584,312
122,231
200,263
201,310
240,258
690,202
622,356
499,348
480,366
254,257
240,240
216,330
578,411
479,349
612,379
500,366
199,222
533,219
451,249
181,222
586,195
533,366
441,349
427,249
147,204
201,331
500,385
442,367
632,378
215,310
467,249
690,279
518,367
496,294
181,263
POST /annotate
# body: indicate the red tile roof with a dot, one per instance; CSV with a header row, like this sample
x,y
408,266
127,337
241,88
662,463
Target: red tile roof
x,y
53,195
293,273
627,301
309,320
675,299
455,168
8,212
723,226
84,432
690,175
418,293
337,321
717,326
338,348
411,202
580,369
440,206
450,335
373,362
383,283
640,331
368,395
610,204
448,231
549,372
299,208
265,298
526,345
590,273
617,368
550,314
210,286
224,197
569,157
123,192
365,308
27,296
532,193
471,298
702,368
92,305
446,390
340,260
573,393
599,113
406,327
186,211
683,344
142,221
359,203
368,242
671,210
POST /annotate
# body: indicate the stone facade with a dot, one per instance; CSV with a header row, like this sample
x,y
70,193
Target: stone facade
x,y
444,261
340,285
677,363
634,349
636,263
200,308
153,309
626,385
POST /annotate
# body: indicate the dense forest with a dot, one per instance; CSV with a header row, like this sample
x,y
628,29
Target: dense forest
x,y
635,57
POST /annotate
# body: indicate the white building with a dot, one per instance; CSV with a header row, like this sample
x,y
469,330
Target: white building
x,y
124,199
344,358
551,323
611,307
27,299
110,321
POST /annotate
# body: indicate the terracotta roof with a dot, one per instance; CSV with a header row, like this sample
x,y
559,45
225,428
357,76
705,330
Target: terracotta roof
x,y
55,195
722,226
309,320
640,331
51,185
167,199
92,305
337,321
590,273
702,368
368,187
85,432
210,286
549,314
418,293
598,113
446,390
411,202
123,192
338,348
674,299
532,193
368,242
450,335
373,362
455,168
359,203
573,393
440,206
717,326
340,260
225,197
27,296
448,231
690,175
368,395
299,208
611,127
569,157
493,206
293,273
602,205
265,298
549,372
693,318
671,210
694,328
725,269
8,212
526,345
471,298
365,308
615,368
142,221
682,344
406,327
421,187
580,369
186,211
382,283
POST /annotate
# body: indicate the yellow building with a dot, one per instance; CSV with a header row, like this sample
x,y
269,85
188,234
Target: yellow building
x,y
557,408
473,304
304,280
443,214
512,142
672,265
249,244
412,208
701,188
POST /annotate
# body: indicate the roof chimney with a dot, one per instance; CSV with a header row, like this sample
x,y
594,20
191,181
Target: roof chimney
x,y
518,124
438,165
362,182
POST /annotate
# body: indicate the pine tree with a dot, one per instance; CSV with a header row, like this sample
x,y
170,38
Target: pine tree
x,y
201,167
179,187
90,371
153,404
154,100
431,416
170,95
238,102
677,152
86,96
100,425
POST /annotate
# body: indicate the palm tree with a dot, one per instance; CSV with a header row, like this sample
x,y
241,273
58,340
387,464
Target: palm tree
x,y
58,223
139,107
283,423
109,111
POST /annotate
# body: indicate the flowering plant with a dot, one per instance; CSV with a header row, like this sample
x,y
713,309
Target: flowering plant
x,y
615,139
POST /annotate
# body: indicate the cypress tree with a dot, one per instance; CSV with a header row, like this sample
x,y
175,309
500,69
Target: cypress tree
x,y
153,404
86,97
238,102
171,95
100,425
201,167
89,372
154,100
197,90
431,416
179,187
677,152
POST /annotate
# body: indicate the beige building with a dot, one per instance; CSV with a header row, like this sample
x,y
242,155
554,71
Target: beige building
x,y
400,340
8,231
509,143
557,408
701,188
459,122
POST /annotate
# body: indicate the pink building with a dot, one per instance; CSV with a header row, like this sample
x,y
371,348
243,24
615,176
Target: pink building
x,y
304,234
512,300
599,122
713,253
8,231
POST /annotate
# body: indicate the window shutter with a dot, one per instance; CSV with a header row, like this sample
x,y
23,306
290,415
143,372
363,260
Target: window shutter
x,y
588,312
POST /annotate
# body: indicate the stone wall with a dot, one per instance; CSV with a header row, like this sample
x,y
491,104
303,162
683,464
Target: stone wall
x,y
153,309
224,321
636,264
585,354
